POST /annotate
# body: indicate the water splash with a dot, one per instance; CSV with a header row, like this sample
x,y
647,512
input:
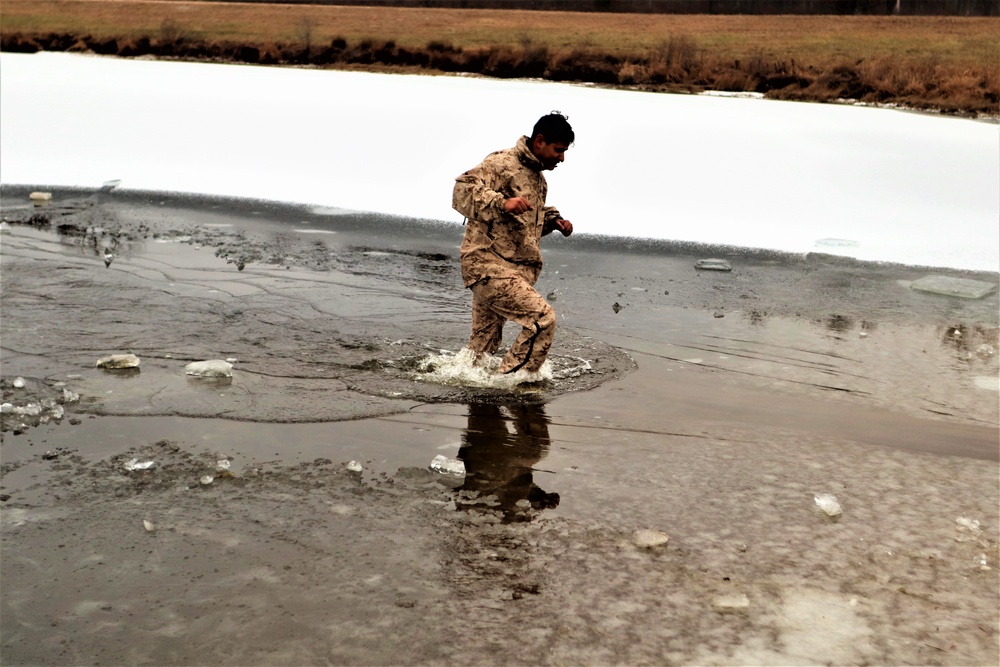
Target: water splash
x,y
466,369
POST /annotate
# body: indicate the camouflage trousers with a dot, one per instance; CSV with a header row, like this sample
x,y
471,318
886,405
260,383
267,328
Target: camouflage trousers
x,y
496,300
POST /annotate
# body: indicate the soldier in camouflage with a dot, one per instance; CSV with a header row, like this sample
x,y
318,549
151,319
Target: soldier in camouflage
x,y
503,200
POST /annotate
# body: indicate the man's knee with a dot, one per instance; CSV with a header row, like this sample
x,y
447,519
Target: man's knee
x,y
547,318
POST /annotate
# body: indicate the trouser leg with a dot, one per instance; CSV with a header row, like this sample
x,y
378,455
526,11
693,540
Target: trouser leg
x,y
487,326
516,300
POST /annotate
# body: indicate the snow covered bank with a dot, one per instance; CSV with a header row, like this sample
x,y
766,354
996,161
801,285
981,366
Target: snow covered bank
x,y
872,183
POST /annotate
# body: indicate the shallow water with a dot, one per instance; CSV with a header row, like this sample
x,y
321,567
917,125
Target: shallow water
x,y
716,407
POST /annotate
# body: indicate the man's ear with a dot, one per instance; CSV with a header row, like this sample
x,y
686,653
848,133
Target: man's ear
x,y
538,141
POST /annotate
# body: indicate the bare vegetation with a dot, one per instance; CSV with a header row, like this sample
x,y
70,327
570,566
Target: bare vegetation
x,y
941,63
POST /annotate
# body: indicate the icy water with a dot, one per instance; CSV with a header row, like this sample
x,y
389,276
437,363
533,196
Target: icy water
x,y
653,503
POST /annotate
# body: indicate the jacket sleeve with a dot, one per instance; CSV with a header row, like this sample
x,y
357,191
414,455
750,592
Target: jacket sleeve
x,y
476,193
552,215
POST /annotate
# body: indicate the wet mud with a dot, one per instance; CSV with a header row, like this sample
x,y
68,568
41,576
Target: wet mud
x,y
325,505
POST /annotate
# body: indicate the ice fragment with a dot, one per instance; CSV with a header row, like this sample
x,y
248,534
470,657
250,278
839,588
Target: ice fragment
x,y
647,539
949,286
447,466
213,368
19,383
836,243
118,361
713,265
737,602
136,464
354,466
829,504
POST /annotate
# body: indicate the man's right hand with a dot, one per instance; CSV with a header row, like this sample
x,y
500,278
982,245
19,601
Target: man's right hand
x,y
517,205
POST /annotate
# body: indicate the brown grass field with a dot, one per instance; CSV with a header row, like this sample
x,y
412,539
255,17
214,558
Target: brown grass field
x,y
945,63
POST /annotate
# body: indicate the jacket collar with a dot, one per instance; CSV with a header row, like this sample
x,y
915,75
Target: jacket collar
x,y
526,157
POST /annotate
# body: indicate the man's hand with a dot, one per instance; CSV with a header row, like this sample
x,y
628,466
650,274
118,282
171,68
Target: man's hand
x,y
517,205
564,226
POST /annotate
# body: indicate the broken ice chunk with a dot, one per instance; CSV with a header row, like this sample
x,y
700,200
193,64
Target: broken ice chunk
x,y
836,243
964,288
829,504
647,539
737,602
118,361
213,368
136,464
447,466
713,265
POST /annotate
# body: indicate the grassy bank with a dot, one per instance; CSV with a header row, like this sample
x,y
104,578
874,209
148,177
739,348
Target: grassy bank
x,y
943,63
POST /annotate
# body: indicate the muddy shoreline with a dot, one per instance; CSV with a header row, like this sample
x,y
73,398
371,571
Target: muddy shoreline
x,y
715,407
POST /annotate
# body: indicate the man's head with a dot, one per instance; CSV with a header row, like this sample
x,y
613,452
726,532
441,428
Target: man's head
x,y
549,139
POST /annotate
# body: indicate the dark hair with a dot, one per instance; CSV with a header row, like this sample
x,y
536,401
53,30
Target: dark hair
x,y
555,128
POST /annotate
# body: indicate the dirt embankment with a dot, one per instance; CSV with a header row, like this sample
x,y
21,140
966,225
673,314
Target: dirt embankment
x,y
677,65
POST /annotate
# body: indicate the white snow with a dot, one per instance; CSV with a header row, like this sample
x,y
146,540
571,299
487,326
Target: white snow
x,y
901,187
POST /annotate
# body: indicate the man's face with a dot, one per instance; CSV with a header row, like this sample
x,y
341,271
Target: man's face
x,y
549,154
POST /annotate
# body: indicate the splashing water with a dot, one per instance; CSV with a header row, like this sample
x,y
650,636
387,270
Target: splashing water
x,y
463,368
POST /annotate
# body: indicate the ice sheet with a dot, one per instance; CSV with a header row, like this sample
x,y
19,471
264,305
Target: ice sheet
x,y
903,187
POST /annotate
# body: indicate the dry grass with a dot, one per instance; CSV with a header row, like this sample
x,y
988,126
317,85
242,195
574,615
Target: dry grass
x,y
940,62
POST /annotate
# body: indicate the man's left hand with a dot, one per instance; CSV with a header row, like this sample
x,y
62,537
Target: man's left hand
x,y
564,226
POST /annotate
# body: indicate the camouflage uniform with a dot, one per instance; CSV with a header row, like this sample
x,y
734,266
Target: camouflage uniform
x,y
500,256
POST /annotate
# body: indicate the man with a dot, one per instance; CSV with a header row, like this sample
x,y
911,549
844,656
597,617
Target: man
x,y
503,200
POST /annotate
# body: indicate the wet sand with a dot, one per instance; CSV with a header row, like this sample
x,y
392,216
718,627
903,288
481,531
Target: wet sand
x,y
715,408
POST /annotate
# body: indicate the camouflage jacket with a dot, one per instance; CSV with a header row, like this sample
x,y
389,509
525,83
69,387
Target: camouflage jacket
x,y
498,243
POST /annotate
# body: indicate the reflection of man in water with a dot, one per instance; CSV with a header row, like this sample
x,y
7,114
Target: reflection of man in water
x,y
503,200
499,462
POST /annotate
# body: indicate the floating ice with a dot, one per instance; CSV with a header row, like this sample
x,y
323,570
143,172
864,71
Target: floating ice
x,y
354,466
964,288
968,529
118,361
829,504
207,479
836,243
647,539
18,383
148,525
573,371
447,466
213,368
135,464
713,265
988,382
737,602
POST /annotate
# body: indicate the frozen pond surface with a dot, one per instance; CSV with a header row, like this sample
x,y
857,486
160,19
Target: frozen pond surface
x,y
874,184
